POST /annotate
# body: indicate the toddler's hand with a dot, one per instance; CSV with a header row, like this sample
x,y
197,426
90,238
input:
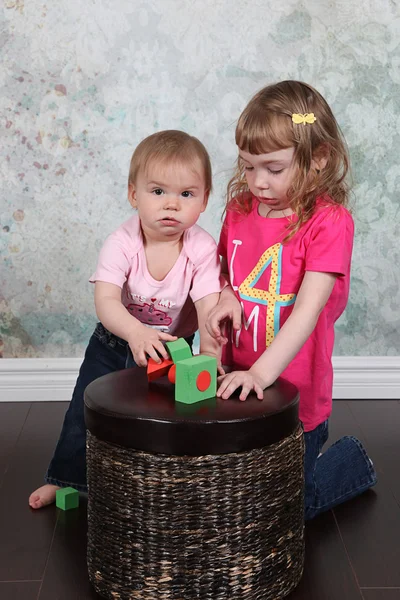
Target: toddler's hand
x,y
244,379
220,368
148,341
227,309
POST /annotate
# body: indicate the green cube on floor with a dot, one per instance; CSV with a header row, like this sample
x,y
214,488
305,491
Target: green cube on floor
x,y
67,498
179,350
195,379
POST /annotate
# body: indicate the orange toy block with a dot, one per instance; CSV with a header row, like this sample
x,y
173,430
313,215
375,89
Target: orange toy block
x,y
156,370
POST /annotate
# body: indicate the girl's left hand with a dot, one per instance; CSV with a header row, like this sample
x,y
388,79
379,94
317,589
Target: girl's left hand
x,y
244,379
220,368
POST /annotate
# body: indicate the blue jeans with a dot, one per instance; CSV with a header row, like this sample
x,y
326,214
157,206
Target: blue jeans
x,y
342,472
106,353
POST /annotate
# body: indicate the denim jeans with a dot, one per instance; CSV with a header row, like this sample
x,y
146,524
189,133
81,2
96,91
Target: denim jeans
x,y
106,353
340,473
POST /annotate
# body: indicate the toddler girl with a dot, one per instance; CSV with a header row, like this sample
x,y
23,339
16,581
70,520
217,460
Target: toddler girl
x,y
157,278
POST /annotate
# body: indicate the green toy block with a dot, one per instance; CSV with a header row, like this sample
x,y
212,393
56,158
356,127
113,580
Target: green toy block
x,y
195,379
179,350
202,407
67,498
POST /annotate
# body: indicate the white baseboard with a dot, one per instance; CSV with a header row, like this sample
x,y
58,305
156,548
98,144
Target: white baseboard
x,y
42,379
37,379
366,377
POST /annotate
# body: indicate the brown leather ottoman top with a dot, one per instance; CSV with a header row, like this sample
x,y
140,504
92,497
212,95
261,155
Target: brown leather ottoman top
x,y
124,408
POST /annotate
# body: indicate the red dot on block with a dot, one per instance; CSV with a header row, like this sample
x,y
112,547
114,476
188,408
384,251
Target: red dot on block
x,y
203,381
172,374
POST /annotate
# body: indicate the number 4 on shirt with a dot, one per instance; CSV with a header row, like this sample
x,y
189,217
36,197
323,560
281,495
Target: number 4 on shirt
x,y
272,296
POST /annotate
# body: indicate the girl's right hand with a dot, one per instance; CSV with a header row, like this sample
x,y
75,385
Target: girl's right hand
x,y
146,341
227,309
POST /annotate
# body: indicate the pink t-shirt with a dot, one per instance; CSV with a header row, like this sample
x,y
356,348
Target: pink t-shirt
x,y
267,276
168,304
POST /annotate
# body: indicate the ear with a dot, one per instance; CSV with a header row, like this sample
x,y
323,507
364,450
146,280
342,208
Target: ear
x,y
320,157
205,201
132,195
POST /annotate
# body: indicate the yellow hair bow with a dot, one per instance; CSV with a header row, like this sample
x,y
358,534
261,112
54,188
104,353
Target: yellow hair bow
x,y
303,119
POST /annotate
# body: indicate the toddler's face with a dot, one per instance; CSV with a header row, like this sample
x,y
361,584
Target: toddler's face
x,y
269,177
169,199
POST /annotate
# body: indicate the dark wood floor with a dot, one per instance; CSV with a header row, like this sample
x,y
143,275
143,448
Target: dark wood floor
x,y
352,553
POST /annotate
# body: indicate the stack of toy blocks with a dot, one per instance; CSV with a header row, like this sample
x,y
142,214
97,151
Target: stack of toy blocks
x,y
195,377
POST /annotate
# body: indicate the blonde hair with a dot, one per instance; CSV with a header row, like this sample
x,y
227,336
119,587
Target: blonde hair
x,y
167,147
266,125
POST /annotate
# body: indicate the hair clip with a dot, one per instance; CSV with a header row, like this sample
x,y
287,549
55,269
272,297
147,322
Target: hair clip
x,y
303,119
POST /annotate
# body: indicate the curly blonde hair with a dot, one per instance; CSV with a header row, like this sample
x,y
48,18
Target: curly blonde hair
x,y
266,125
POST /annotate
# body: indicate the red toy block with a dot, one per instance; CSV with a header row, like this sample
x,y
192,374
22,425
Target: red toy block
x,y
157,370
172,374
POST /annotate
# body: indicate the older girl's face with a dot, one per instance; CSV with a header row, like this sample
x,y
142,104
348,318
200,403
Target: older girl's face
x,y
269,177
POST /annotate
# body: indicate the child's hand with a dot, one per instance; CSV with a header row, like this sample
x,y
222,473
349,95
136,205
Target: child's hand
x,y
244,379
228,308
148,341
220,368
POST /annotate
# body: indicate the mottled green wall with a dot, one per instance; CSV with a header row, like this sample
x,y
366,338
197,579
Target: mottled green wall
x,y
83,82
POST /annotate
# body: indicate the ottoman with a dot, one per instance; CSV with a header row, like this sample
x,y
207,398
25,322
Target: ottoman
x,y
193,501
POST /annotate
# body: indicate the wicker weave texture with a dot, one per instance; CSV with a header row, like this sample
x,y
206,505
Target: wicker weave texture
x,y
226,527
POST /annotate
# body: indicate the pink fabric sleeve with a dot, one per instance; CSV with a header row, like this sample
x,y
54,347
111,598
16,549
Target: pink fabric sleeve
x,y
206,278
331,242
114,261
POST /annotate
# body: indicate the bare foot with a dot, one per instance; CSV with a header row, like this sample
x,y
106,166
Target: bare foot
x,y
43,496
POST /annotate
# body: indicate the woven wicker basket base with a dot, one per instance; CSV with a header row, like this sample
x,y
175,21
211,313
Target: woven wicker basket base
x,y
226,527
